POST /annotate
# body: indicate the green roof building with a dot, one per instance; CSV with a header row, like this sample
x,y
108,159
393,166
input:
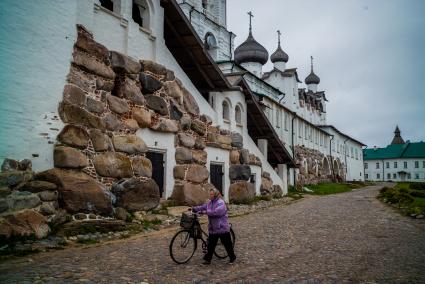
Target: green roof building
x,y
399,161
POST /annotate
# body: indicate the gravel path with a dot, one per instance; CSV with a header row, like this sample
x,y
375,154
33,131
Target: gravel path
x,y
343,238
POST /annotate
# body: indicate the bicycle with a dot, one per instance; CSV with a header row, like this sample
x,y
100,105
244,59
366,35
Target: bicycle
x,y
185,242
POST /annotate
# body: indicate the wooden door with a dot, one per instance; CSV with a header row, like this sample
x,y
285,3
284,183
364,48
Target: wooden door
x,y
157,160
216,176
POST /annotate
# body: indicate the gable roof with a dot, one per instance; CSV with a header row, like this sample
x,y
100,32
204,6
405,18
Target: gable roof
x,y
189,51
396,151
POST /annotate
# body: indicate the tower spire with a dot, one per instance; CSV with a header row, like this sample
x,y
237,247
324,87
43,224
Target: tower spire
x,y
250,23
278,38
311,64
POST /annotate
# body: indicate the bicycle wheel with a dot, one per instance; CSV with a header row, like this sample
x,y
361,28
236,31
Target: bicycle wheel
x,y
220,250
182,247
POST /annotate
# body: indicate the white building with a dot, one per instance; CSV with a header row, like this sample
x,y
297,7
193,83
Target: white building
x,y
273,114
297,114
399,161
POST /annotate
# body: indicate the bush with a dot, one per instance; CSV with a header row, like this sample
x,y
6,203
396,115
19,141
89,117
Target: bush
x,y
417,186
418,193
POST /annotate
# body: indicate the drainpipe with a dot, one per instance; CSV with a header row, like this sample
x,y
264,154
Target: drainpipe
x,y
345,157
230,46
330,154
293,147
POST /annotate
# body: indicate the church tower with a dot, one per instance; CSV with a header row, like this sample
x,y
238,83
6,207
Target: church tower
x,y
312,80
208,18
397,137
250,54
279,57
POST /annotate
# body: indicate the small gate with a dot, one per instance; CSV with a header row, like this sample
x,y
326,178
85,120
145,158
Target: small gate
x,y
157,160
216,176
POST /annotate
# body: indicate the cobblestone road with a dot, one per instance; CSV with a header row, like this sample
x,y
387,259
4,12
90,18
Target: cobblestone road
x,y
344,238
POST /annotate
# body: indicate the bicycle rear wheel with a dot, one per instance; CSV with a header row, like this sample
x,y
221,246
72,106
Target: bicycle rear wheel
x,y
220,250
182,246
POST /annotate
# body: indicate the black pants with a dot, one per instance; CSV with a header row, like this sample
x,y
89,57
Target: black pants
x,y
225,240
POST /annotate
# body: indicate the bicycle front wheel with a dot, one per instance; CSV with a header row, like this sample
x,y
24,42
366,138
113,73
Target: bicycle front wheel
x,y
182,247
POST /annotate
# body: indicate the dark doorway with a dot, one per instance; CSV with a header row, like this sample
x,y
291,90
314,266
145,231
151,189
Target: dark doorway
x,y
216,176
157,160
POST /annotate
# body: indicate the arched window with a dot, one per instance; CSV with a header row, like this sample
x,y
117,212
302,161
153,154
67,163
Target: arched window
x,y
210,41
226,110
140,13
238,114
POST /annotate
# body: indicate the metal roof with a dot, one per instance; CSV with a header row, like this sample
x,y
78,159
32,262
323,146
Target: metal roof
x,y
189,51
396,151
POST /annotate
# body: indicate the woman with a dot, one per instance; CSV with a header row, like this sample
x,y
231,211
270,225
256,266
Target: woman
x,y
218,225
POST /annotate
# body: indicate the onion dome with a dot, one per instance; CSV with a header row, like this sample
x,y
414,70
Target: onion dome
x,y
312,78
250,50
279,55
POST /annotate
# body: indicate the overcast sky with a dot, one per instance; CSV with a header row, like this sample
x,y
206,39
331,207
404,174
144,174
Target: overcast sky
x,y
369,55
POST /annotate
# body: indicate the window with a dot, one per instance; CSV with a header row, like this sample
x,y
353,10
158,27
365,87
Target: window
x,y
394,176
204,4
108,4
377,165
333,145
140,13
300,129
405,165
286,121
423,164
388,176
306,132
238,114
378,176
366,176
366,165
352,152
416,164
409,176
395,165
357,154
226,111
387,165
337,146
210,41
416,176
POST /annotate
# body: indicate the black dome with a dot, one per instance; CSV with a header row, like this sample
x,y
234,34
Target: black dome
x,y
279,55
251,51
312,78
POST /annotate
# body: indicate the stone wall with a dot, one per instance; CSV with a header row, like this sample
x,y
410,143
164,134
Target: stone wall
x,y
100,163
315,167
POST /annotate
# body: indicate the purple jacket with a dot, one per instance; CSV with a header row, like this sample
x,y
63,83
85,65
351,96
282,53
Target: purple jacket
x,y
216,210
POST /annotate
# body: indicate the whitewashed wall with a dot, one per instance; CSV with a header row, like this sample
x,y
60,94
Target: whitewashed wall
x,y
36,40
416,174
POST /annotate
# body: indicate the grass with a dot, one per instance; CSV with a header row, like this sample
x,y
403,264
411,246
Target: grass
x,y
408,197
332,188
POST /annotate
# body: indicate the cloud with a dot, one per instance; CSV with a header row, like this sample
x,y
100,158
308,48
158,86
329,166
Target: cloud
x,y
368,54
